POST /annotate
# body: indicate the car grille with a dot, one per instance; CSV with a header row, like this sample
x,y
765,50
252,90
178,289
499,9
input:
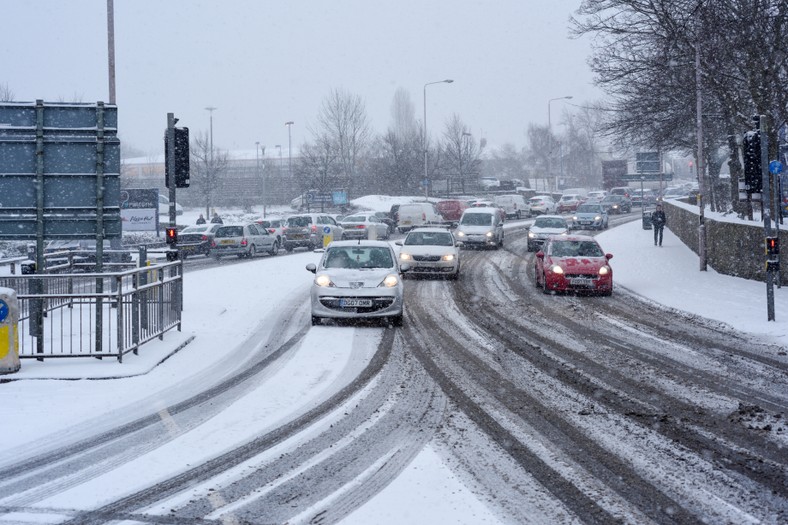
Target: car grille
x,y
378,303
427,258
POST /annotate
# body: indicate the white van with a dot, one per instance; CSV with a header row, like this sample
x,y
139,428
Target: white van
x,y
514,206
417,214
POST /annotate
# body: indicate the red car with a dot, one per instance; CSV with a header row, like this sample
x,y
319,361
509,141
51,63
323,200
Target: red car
x,y
573,263
451,210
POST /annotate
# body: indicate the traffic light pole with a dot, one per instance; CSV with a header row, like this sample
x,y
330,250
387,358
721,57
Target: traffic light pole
x,y
772,263
171,164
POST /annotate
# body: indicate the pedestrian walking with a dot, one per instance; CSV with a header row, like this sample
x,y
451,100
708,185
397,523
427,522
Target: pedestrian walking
x,y
658,222
216,219
201,219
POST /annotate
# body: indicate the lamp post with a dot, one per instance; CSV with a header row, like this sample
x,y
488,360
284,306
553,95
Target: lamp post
x,y
550,137
426,180
257,159
211,182
289,150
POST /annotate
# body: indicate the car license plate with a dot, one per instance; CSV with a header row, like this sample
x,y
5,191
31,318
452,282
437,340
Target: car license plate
x,y
585,222
295,236
406,222
228,241
581,281
353,303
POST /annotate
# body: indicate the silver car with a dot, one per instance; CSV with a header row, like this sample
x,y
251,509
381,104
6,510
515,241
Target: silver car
x,y
364,226
357,279
590,217
544,227
307,231
431,251
243,240
480,227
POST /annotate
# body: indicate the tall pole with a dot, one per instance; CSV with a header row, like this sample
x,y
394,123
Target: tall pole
x,y
550,139
211,183
701,164
111,48
426,181
289,150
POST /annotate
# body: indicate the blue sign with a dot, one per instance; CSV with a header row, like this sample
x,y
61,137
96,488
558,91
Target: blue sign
x,y
3,311
776,167
326,229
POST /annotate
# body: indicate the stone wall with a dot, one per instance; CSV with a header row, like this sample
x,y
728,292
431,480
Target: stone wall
x,y
732,248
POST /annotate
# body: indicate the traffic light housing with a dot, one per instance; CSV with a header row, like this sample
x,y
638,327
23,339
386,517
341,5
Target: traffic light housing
x,y
171,233
751,153
181,159
772,246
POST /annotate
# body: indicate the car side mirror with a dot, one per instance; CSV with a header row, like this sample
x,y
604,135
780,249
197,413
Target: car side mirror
x,y
311,268
608,256
540,255
398,243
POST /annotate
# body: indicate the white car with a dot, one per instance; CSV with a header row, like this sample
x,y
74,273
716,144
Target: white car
x,y
542,204
357,279
544,227
481,227
431,251
489,183
364,226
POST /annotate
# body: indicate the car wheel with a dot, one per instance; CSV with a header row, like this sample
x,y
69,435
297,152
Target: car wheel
x,y
288,248
455,276
252,251
396,320
274,248
316,321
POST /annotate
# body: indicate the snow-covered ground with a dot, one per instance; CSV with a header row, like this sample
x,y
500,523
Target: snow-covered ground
x,y
225,307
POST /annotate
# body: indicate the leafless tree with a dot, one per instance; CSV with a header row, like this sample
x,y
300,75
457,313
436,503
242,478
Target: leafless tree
x,y
342,126
461,153
403,115
508,162
207,168
6,94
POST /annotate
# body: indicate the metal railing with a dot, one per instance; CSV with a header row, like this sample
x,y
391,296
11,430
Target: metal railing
x,y
96,314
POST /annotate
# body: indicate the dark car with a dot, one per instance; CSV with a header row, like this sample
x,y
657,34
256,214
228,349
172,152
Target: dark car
x,y
387,220
196,240
394,213
617,204
81,254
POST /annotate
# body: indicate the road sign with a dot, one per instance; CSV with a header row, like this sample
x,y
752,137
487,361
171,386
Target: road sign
x,y
648,162
775,167
3,311
326,229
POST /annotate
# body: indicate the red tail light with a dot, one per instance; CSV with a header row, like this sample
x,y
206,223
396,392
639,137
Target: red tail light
x,y
360,226
424,216
203,237
213,244
271,230
244,242
314,228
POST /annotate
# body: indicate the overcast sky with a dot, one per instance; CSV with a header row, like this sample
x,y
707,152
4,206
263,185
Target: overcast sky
x,y
262,63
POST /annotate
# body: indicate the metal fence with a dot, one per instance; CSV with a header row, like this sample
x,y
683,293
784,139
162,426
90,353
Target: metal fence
x,y
96,314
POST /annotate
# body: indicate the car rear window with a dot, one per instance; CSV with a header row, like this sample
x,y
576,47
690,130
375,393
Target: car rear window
x,y
299,222
230,231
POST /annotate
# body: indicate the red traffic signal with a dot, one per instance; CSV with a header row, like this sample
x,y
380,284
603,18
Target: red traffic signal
x,y
171,233
772,246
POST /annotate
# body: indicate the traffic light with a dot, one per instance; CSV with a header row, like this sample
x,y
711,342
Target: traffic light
x,y
751,153
181,158
171,233
772,246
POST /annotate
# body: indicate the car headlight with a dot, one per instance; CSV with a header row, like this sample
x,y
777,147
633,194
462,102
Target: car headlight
x,y
323,280
604,270
598,218
448,257
460,234
405,257
574,218
531,235
557,269
390,281
489,234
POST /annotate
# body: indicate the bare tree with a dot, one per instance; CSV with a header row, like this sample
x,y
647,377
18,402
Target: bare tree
x,y
320,167
6,94
509,163
539,142
403,115
344,128
207,168
461,154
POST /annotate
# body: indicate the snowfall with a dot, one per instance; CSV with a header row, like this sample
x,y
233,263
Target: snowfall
x,y
225,306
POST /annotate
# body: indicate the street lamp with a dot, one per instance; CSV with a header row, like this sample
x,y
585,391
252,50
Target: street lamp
x,y
550,137
289,150
211,183
426,179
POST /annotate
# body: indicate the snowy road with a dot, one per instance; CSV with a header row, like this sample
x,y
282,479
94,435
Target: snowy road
x,y
547,409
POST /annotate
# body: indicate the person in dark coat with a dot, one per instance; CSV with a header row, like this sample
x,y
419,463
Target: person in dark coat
x,y
658,221
201,219
216,219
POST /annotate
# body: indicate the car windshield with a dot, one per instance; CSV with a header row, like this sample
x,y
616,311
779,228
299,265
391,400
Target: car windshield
x,y
352,257
589,208
576,249
299,222
550,222
230,231
476,219
428,238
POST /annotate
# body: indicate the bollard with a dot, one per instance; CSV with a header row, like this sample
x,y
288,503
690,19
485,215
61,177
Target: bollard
x,y
9,331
